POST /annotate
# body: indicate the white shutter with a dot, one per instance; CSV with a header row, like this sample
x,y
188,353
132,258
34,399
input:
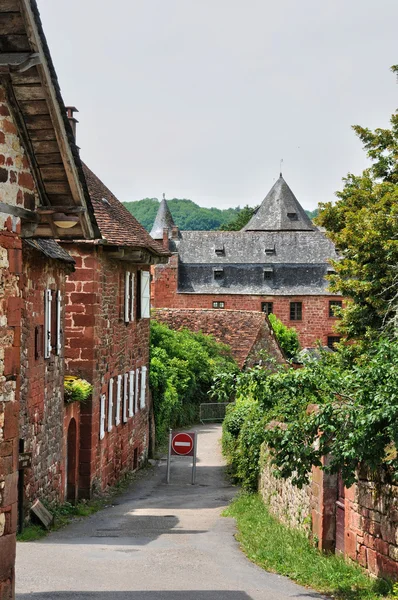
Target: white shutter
x,y
145,295
137,388
59,328
132,296
125,396
143,386
127,296
47,323
131,394
118,398
110,405
102,417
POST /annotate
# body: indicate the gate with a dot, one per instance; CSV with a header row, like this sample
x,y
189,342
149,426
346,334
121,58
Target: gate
x,y
213,412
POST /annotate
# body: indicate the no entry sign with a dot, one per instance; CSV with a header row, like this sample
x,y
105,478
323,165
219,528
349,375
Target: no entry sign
x,y
182,444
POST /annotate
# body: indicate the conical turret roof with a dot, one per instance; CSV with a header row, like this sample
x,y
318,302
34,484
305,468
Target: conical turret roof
x,y
163,220
280,211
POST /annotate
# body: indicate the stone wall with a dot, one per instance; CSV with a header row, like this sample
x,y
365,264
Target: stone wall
x,y
286,501
315,325
101,346
42,387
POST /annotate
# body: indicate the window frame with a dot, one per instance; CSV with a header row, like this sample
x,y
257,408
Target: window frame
x,y
217,302
267,312
296,310
338,303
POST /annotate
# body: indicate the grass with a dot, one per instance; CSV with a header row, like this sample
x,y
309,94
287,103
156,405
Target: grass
x,y
280,549
66,513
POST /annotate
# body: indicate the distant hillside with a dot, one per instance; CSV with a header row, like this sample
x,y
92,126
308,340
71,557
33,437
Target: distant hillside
x,y
186,214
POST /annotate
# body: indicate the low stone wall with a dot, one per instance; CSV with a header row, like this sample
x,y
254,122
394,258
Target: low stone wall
x,y
286,501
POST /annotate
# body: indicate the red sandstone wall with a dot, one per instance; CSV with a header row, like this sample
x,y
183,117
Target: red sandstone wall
x,y
315,325
16,188
42,387
100,345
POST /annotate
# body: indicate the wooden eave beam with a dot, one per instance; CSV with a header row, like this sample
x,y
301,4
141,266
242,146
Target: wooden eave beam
x,y
22,213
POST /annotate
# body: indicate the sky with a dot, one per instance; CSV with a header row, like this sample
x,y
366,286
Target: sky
x,y
201,99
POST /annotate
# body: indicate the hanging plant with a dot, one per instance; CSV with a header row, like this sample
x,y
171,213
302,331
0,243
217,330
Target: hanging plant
x,y
76,389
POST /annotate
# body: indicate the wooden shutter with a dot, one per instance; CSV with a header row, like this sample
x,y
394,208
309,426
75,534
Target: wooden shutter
x,y
118,399
143,386
59,323
47,323
132,295
145,295
137,388
127,296
131,394
110,405
102,417
125,396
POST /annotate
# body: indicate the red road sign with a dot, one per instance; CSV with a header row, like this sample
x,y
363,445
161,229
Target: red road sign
x,y
183,444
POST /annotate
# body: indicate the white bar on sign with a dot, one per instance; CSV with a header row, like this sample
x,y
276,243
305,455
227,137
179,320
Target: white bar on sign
x,y
182,443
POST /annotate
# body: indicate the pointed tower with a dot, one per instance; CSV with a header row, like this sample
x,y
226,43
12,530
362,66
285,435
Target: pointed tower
x,y
280,211
163,220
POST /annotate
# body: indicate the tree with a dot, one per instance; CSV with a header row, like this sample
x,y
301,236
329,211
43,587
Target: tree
x,y
241,219
287,336
364,226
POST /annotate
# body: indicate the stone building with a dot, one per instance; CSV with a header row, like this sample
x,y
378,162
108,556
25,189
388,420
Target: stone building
x,y
276,263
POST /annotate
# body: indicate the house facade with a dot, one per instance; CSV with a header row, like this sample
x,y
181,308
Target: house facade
x,y
277,263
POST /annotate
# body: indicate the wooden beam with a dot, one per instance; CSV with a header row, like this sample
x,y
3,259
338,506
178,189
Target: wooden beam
x,y
44,210
29,92
13,58
35,107
11,23
9,6
17,211
14,43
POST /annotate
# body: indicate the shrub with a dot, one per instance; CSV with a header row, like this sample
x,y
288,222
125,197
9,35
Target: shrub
x,y
287,336
76,389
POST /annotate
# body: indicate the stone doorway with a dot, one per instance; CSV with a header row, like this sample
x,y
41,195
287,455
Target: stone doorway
x,y
71,462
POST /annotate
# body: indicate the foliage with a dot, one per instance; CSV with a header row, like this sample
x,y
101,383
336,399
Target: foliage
x,y
182,368
189,216
280,549
363,224
287,336
76,389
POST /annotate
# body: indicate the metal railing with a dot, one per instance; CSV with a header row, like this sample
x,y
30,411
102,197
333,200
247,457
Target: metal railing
x,y
213,412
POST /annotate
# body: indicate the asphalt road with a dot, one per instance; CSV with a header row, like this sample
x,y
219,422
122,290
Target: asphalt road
x,y
158,542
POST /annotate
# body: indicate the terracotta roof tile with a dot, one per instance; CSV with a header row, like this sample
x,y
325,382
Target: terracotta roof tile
x,y
117,225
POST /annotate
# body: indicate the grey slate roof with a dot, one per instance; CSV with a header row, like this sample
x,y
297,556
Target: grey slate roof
x,y
163,220
50,248
280,211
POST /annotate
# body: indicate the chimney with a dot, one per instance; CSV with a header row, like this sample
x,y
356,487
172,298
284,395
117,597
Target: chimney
x,y
165,238
175,232
70,110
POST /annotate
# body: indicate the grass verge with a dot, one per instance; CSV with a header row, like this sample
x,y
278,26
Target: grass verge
x,y
277,548
66,513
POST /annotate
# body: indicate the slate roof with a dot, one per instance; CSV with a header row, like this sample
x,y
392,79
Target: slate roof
x,y
116,224
49,248
280,211
163,220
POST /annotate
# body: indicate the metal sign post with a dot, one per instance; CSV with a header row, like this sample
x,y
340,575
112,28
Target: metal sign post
x,y
182,444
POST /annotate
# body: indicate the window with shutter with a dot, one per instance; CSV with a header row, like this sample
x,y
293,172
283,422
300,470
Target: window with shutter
x,y
47,323
102,417
145,295
118,399
143,386
131,394
137,388
110,405
127,291
59,323
132,296
125,396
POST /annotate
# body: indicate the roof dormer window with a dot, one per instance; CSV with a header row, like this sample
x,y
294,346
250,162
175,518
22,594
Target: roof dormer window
x,y
270,250
220,250
218,273
268,273
293,216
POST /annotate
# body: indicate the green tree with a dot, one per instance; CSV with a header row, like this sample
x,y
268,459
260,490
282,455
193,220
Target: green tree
x,y
287,336
241,219
363,224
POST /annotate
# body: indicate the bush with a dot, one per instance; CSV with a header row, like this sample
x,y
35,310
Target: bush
x,y
76,390
287,336
183,366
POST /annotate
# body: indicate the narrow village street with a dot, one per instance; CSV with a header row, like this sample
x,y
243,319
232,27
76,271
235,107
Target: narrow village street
x,y
157,542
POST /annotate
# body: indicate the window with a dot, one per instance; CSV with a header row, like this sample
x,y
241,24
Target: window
x,y
129,286
110,404
143,387
296,311
267,307
137,388
118,399
131,394
47,324
292,216
332,340
125,396
268,273
218,304
220,250
218,273
270,250
52,323
102,416
332,304
145,295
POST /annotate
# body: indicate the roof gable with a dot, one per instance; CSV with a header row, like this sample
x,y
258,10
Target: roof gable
x,y
280,211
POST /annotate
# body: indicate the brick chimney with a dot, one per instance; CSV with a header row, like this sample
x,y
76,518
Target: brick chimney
x,y
70,110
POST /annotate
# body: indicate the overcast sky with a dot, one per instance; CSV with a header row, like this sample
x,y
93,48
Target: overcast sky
x,y
201,99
